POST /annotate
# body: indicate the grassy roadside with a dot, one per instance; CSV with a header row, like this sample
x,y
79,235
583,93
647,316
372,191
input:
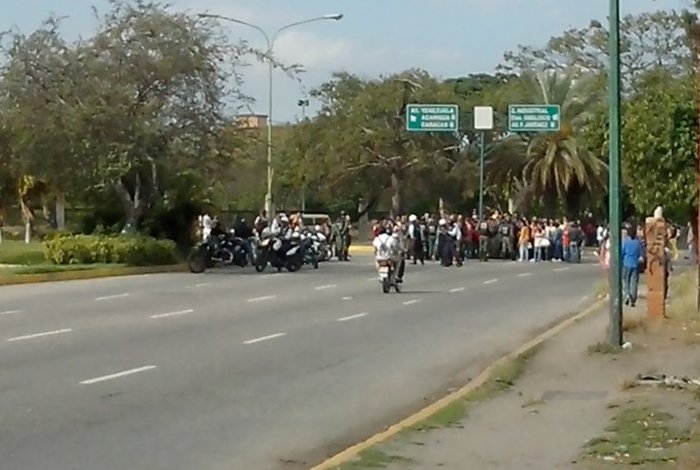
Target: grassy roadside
x,y
22,263
643,436
657,428
502,379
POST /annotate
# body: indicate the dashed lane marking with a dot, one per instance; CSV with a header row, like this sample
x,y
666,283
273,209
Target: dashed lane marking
x,y
111,297
40,335
264,338
117,375
172,314
352,317
261,299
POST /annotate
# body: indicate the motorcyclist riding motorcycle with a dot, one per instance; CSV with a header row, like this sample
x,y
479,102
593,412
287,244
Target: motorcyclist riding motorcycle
x,y
388,247
282,231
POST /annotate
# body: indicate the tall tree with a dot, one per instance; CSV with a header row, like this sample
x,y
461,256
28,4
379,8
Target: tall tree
x,y
649,40
555,165
368,136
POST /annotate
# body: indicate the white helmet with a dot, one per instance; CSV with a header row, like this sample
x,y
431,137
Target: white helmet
x,y
412,218
442,222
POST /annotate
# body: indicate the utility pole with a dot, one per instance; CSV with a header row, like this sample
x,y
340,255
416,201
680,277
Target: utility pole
x,y
483,121
615,228
695,31
303,104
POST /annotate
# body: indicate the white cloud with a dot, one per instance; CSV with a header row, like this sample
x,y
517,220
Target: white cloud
x,y
312,50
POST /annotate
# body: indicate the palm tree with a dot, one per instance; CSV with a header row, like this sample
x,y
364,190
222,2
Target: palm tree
x,y
556,166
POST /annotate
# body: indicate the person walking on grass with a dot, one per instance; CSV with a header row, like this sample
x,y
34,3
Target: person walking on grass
x,y
632,255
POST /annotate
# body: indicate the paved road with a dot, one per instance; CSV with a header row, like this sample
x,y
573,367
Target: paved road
x,y
234,370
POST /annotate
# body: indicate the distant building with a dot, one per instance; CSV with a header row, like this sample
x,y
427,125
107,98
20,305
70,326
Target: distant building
x,y
252,121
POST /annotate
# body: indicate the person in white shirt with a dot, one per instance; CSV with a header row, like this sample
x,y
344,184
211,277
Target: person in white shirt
x,y
387,247
207,225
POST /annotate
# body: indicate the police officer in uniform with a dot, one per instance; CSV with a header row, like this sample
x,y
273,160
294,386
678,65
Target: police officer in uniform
x,y
506,232
483,229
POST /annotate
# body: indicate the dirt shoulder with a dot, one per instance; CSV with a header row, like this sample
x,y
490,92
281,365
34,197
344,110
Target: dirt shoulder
x,y
573,405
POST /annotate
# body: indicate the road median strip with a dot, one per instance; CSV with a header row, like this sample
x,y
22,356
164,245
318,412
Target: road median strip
x,y
88,273
452,406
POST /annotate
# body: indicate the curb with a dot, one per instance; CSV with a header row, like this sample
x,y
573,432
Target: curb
x,y
353,451
361,249
89,274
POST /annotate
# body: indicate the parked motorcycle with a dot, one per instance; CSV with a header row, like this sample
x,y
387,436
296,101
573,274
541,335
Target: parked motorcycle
x,y
223,249
280,254
311,247
324,250
387,276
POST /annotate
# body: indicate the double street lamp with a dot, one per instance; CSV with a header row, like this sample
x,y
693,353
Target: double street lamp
x,y
270,40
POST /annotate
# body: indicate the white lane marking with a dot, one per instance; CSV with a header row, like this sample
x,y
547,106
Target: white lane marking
x,y
558,270
39,335
372,278
264,338
117,375
327,286
172,314
411,302
261,299
346,298
9,312
491,281
584,298
110,297
524,274
458,289
276,274
201,284
353,317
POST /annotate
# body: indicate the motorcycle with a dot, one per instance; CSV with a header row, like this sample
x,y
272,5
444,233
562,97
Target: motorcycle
x,y
311,247
279,254
325,252
224,249
387,276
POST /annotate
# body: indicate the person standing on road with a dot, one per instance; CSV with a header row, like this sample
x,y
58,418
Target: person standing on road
x,y
524,241
484,240
632,255
415,239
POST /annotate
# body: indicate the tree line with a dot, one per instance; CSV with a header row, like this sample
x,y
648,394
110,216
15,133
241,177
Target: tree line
x,y
358,148
137,122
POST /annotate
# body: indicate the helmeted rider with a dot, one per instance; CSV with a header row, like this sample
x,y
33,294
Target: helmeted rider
x,y
386,247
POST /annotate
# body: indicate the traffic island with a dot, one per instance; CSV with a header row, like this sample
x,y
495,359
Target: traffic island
x,y
53,273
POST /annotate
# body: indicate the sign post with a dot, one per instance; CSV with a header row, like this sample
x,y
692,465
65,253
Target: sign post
x,y
534,118
432,118
483,121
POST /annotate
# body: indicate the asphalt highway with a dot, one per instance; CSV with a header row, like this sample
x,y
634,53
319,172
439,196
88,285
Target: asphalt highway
x,y
238,370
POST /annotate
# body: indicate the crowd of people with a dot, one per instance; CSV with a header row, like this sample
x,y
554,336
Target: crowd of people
x,y
454,238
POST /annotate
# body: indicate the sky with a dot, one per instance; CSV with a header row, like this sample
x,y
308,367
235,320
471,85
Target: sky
x,y
448,38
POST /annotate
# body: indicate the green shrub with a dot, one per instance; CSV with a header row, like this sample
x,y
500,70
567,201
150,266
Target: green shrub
x,y
93,249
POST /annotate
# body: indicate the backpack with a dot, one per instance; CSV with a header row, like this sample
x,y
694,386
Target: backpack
x,y
505,230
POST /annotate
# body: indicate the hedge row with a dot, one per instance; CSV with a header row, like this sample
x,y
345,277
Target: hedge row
x,y
125,249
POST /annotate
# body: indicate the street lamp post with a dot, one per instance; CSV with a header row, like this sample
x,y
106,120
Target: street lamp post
x,y
270,40
615,229
303,104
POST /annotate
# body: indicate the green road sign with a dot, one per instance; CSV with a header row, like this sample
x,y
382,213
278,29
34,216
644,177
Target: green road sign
x,y
432,117
534,118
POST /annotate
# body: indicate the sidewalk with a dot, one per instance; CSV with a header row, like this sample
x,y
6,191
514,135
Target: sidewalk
x,y
569,393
